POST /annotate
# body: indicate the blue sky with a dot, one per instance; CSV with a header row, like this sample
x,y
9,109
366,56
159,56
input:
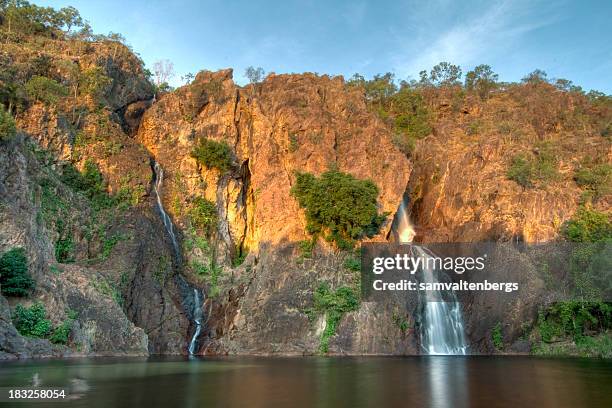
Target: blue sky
x,y
568,39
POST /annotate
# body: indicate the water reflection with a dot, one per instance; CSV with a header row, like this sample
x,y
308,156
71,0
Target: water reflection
x,y
447,382
428,381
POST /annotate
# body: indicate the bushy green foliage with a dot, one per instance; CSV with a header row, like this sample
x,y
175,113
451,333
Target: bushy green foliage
x,y
497,337
31,321
445,74
529,170
377,90
352,264
61,333
588,225
481,80
411,118
339,206
591,260
27,18
90,183
213,154
334,304
203,215
15,279
45,90
306,247
521,170
597,179
7,125
93,81
536,77
211,272
573,319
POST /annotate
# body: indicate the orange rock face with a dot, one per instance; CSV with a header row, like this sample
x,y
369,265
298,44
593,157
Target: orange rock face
x,y
286,124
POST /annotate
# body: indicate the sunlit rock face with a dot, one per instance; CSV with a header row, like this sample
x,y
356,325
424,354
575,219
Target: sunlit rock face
x,y
285,124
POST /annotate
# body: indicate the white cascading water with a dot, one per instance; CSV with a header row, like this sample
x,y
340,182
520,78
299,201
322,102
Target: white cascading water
x,y
197,318
442,329
159,179
197,302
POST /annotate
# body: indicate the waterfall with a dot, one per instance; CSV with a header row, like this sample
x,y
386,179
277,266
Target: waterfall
x,y
442,329
194,300
197,318
159,179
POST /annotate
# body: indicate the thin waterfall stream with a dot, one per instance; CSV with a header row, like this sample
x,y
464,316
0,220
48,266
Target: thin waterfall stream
x,y
442,328
197,296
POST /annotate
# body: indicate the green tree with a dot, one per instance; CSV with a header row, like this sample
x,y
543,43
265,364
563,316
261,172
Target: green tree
x,y
15,279
481,80
536,77
45,90
254,75
339,206
445,74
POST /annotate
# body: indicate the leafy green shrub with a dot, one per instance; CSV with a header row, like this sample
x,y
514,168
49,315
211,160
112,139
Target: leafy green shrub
x,y
213,155
590,262
93,81
573,319
597,179
497,337
338,205
401,322
521,171
31,321
352,264
61,333
203,215
527,170
588,225
212,272
7,125
15,279
334,304
45,90
90,183
411,118
306,247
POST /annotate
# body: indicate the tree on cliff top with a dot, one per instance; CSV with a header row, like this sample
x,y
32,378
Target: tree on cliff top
x,y
254,74
339,206
163,71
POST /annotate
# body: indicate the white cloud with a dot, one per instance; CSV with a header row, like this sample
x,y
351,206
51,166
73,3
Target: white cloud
x,y
474,39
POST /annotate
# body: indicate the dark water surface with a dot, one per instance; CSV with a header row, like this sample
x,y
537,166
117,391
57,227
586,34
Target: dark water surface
x,y
435,381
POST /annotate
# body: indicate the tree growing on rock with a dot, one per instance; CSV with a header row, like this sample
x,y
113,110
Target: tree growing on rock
x,y
15,279
254,75
163,71
445,74
482,80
